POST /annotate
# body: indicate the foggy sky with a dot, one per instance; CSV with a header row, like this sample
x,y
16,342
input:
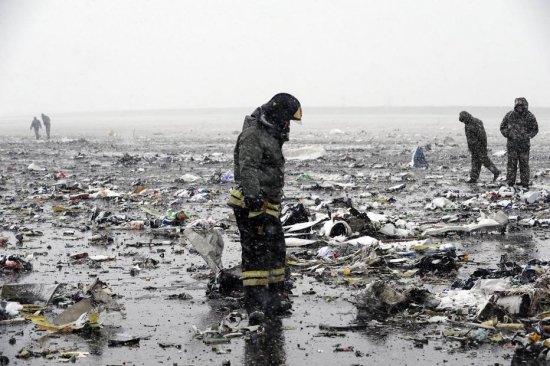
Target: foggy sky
x,y
68,55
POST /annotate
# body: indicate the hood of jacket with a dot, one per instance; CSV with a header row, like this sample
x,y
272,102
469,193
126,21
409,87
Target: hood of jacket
x,y
521,101
275,116
259,119
465,117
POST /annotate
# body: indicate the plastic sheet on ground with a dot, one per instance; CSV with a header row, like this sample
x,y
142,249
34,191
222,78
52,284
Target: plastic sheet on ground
x,y
29,293
297,242
304,225
305,153
418,159
364,241
9,309
498,221
207,241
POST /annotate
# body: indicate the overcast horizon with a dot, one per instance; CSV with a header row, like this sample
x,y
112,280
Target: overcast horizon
x,y
62,56
328,109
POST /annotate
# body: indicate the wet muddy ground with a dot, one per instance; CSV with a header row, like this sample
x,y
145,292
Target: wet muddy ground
x,y
357,165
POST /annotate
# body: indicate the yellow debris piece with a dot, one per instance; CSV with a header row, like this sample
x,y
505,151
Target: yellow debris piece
x,y
43,323
60,208
534,337
77,354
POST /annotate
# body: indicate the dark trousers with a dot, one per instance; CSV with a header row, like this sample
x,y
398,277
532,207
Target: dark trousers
x,y
518,154
263,260
36,133
478,160
47,130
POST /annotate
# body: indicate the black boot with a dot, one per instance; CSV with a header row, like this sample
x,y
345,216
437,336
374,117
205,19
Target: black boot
x,y
256,318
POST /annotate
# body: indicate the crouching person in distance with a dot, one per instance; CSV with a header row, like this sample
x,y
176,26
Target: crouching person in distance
x,y
477,144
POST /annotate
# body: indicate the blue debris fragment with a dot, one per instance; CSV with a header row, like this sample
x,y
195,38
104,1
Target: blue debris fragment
x,y
418,159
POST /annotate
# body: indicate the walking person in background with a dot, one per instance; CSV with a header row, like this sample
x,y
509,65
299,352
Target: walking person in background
x,y
36,125
519,126
477,144
47,124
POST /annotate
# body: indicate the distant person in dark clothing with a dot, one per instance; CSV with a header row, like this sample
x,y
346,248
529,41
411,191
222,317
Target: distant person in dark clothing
x,y
477,144
47,124
36,125
519,127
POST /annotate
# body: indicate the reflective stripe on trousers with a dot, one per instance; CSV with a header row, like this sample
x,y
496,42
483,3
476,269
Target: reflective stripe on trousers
x,y
263,277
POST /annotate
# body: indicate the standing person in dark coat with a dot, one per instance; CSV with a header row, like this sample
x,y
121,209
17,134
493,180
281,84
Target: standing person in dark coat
x,y
259,174
46,122
36,125
519,127
477,144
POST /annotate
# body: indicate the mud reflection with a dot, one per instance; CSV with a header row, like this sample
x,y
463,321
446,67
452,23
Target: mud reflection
x,y
266,349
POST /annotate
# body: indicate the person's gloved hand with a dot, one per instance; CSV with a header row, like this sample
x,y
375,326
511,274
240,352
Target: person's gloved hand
x,y
254,203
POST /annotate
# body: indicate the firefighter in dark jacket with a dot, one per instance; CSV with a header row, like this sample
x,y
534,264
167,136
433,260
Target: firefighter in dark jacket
x,y
519,127
477,144
259,174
